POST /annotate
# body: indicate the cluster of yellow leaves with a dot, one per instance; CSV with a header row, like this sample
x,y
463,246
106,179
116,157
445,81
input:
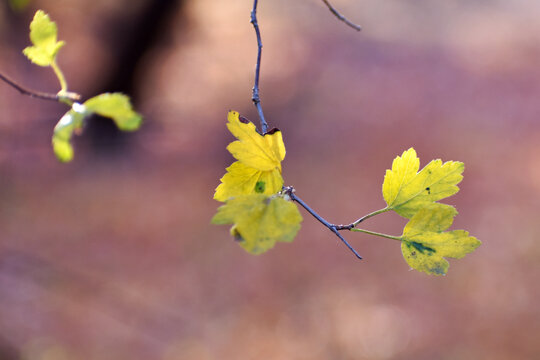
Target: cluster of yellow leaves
x,y
250,189
414,195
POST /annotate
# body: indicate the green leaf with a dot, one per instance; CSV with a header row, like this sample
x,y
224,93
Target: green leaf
x,y
70,123
43,35
241,179
260,221
117,107
406,190
424,243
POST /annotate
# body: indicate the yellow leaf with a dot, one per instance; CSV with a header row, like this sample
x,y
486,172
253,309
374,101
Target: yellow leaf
x,y
424,243
241,179
406,190
260,221
260,152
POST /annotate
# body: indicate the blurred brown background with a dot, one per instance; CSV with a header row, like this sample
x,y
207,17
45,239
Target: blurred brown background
x,y
112,256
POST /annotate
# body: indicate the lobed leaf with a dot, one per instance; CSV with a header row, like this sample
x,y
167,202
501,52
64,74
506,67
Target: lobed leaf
x,y
43,35
260,221
406,190
261,152
241,179
425,245
117,107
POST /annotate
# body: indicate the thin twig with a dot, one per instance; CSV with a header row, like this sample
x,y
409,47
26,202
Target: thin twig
x,y
341,17
255,96
38,94
31,93
333,228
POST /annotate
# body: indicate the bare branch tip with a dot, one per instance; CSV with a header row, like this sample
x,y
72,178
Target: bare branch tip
x,y
341,17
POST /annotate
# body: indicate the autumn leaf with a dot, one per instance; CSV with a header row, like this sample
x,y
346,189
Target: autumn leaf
x,y
241,179
260,221
43,35
406,190
261,152
425,244
258,169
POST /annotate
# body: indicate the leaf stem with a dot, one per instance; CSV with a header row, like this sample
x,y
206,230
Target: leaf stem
x,y
60,76
255,94
365,217
377,234
341,17
289,190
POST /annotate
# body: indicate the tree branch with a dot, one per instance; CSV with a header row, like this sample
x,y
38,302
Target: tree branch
x,y
289,190
38,94
255,95
341,17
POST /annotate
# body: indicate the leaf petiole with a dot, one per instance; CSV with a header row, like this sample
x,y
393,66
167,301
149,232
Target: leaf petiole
x,y
60,76
365,217
398,238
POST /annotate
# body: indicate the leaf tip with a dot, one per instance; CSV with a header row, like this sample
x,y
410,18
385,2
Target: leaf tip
x,y
63,150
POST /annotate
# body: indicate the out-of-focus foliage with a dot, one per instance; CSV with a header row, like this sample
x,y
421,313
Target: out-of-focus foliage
x,y
19,5
71,122
43,34
425,243
115,106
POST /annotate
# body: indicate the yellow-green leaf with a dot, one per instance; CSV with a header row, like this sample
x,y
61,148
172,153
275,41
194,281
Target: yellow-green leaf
x,y
261,152
71,122
241,179
406,190
424,243
117,107
43,35
260,221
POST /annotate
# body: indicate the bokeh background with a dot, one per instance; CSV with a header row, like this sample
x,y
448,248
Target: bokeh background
x,y
112,256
